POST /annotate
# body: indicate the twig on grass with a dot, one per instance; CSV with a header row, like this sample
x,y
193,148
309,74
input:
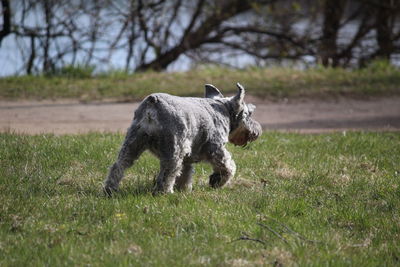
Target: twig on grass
x,y
274,232
298,235
247,238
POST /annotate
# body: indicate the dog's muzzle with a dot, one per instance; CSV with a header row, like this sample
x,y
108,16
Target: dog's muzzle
x,y
247,132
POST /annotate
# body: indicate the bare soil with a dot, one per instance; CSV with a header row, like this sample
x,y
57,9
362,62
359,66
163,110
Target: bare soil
x,y
301,115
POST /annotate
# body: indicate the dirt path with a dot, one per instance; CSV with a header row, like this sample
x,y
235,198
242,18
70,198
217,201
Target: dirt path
x,y
62,117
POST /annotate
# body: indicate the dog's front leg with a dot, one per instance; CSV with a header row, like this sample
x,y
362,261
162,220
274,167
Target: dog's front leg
x,y
223,165
184,181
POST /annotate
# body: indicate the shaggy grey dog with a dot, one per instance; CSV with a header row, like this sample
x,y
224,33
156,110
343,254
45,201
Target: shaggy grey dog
x,y
181,131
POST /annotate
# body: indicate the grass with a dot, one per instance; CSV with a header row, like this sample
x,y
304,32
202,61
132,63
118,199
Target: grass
x,y
341,192
274,83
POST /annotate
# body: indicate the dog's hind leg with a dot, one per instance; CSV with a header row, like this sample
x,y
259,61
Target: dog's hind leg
x,y
169,170
171,160
134,144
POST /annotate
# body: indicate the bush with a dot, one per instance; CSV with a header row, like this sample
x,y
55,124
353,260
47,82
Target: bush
x,y
73,71
381,65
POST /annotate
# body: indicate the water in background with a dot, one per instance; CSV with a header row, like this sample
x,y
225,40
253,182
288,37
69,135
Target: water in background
x,y
11,62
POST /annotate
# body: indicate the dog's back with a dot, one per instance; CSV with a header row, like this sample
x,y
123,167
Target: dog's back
x,y
163,113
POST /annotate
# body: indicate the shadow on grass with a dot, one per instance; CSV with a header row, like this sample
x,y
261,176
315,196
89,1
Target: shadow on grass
x,y
134,188
137,188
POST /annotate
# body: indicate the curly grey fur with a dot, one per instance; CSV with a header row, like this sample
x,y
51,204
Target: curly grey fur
x,y
181,131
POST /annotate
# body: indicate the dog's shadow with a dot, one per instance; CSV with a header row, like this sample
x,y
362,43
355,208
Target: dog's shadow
x,y
95,189
138,188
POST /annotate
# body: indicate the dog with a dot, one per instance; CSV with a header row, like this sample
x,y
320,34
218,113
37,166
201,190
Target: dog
x,y
181,131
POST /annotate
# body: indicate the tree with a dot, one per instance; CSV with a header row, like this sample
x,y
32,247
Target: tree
x,y
6,28
153,34
385,20
328,50
195,33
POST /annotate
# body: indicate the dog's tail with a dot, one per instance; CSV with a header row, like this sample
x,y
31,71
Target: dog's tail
x,y
148,114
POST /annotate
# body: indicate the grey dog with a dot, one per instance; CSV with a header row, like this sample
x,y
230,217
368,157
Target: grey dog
x,y
181,131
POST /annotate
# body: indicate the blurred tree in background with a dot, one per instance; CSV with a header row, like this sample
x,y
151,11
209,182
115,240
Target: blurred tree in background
x,y
153,34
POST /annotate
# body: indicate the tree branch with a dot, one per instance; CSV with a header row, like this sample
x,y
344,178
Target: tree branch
x,y
195,38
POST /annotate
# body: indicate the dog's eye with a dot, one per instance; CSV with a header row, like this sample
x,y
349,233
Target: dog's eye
x,y
251,108
248,113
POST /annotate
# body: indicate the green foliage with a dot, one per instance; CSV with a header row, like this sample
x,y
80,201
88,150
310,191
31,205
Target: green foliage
x,y
114,73
71,71
274,83
338,193
380,66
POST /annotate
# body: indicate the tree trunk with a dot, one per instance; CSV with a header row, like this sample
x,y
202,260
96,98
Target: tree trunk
x,y
383,25
46,44
6,20
32,56
328,51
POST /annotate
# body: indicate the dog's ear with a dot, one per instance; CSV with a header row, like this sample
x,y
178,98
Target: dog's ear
x,y
212,92
238,99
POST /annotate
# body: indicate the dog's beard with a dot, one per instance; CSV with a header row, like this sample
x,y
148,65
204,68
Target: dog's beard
x,y
245,133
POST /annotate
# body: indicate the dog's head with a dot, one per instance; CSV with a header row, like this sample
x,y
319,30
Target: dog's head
x,y
243,129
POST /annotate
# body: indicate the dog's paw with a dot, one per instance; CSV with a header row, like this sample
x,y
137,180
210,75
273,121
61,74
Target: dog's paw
x,y
215,180
109,191
162,191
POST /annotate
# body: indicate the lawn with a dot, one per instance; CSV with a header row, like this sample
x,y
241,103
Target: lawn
x,y
379,79
308,200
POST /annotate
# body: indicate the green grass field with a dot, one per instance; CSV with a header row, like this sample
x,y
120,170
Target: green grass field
x,y
274,83
308,200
